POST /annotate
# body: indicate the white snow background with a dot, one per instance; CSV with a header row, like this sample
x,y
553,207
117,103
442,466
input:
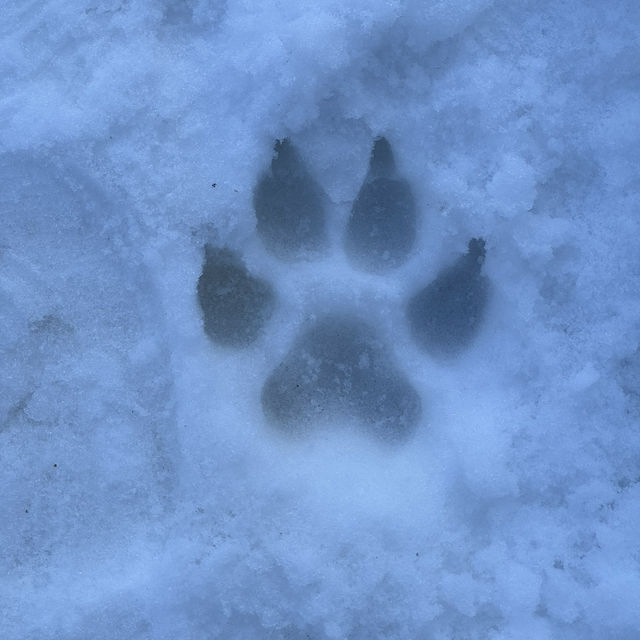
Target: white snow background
x,y
143,496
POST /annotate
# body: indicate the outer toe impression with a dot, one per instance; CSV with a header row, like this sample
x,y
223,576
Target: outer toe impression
x,y
289,207
235,304
339,368
382,227
446,315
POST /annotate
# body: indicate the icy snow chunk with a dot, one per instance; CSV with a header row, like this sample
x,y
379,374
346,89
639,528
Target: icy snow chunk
x,y
289,207
382,226
513,186
339,368
585,378
446,314
462,590
629,375
235,304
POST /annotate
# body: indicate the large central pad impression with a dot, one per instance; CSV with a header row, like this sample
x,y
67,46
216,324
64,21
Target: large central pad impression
x,y
338,368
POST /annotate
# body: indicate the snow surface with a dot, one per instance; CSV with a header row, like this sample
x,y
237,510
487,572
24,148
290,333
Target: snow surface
x,y
144,495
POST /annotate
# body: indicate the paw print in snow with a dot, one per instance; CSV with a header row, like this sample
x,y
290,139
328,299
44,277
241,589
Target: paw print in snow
x,y
338,367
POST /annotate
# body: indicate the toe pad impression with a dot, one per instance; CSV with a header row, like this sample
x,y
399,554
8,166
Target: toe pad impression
x,y
382,227
289,207
235,304
446,315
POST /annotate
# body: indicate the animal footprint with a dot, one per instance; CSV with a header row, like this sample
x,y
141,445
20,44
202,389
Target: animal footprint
x,y
339,368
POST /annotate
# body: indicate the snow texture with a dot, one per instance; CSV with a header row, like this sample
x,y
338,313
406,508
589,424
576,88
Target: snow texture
x,y
319,320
